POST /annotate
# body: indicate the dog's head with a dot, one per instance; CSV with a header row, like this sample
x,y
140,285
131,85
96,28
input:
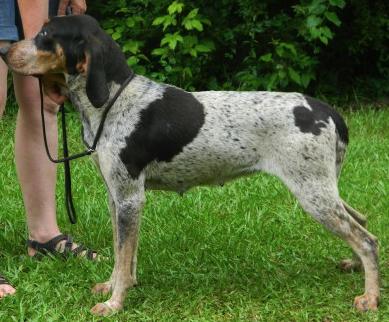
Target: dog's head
x,y
71,45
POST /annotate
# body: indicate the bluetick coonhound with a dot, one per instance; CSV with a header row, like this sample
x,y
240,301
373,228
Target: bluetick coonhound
x,y
158,136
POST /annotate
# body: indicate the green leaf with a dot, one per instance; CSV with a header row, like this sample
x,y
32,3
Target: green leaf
x,y
139,69
187,24
266,58
305,80
133,60
294,75
315,32
202,48
313,21
159,51
190,41
116,35
192,14
175,7
172,40
338,3
130,22
170,20
159,20
193,52
281,74
131,46
197,25
326,32
331,16
324,40
144,57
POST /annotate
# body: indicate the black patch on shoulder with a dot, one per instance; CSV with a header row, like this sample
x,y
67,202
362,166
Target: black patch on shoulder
x,y
165,127
312,121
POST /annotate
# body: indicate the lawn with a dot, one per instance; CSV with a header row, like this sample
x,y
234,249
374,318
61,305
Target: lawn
x,y
242,252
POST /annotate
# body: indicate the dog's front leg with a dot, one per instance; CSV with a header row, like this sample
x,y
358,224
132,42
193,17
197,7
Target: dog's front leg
x,y
106,287
128,210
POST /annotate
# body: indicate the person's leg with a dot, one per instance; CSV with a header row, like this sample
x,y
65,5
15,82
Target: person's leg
x,y
8,32
3,81
37,175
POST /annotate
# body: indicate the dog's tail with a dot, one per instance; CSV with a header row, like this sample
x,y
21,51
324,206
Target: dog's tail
x,y
341,140
340,152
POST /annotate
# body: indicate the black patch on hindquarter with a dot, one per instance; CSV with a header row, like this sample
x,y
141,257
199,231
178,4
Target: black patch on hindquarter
x,y
165,127
312,121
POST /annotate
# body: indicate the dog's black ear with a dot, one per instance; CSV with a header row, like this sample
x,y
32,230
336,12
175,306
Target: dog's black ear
x,y
96,81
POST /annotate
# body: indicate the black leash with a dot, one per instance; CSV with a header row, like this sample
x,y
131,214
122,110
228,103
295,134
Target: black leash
x,y
90,149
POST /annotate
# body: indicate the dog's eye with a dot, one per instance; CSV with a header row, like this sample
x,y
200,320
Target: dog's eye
x,y
43,33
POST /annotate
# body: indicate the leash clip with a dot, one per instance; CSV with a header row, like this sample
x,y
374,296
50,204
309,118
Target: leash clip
x,y
91,150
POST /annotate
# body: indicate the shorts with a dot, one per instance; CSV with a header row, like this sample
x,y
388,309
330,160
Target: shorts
x,y
8,29
10,23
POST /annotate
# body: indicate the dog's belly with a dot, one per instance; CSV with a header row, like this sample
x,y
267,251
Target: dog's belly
x,y
181,179
207,163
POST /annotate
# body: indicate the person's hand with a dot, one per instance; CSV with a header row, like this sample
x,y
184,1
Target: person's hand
x,y
54,87
78,7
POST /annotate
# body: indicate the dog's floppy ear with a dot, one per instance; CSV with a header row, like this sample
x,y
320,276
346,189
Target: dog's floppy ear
x,y
96,82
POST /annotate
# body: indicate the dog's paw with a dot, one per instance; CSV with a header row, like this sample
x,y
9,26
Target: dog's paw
x,y
104,309
102,288
350,265
366,302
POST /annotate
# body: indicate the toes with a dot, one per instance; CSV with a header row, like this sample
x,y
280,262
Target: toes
x,y
102,309
6,290
101,288
366,302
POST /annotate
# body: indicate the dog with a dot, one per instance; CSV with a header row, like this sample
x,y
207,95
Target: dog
x,y
158,136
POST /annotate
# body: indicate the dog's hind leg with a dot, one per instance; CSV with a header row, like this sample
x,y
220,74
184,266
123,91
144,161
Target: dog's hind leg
x,y
353,264
128,210
361,219
318,195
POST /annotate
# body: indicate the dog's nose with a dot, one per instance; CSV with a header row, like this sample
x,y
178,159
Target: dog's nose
x,y
4,51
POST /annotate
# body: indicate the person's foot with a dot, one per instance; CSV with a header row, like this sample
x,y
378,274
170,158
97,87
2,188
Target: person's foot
x,y
61,245
5,288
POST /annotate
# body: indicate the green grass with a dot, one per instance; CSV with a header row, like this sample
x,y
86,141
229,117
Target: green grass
x,y
244,252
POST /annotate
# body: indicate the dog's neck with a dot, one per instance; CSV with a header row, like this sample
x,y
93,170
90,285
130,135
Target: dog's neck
x,y
90,115
76,85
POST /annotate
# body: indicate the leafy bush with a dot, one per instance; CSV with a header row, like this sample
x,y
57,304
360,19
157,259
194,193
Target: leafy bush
x,y
305,45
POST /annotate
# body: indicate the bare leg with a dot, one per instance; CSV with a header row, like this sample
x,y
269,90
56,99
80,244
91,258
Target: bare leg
x,y
37,175
3,81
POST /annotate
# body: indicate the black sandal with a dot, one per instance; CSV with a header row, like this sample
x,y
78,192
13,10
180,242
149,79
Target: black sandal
x,y
3,281
49,248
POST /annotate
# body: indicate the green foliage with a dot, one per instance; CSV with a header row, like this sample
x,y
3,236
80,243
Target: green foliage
x,y
304,45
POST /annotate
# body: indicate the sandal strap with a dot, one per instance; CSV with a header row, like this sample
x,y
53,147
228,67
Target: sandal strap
x,y
49,246
3,281
81,248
